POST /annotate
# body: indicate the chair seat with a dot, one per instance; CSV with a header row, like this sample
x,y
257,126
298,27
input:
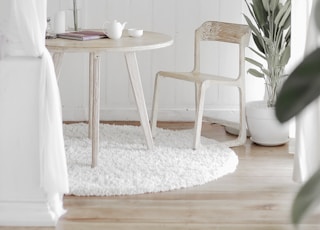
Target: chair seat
x,y
197,77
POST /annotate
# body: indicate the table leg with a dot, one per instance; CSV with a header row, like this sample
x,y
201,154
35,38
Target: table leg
x,y
95,107
57,61
91,58
136,84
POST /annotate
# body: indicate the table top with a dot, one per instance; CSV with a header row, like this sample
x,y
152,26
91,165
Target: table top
x,y
149,40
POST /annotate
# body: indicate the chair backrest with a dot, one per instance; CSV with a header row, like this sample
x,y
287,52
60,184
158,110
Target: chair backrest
x,y
222,32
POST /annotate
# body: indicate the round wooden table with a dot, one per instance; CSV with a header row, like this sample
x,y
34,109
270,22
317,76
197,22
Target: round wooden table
x,y
127,45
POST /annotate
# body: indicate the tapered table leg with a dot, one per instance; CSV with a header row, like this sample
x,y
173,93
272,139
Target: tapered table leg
x,y
57,61
136,84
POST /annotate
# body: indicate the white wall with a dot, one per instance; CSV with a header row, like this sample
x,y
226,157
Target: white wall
x,y
178,18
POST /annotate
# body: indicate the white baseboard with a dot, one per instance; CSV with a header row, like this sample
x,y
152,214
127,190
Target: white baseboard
x,y
26,214
75,114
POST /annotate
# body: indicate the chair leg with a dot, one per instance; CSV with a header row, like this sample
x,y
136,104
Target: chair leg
x,y
201,90
242,136
154,113
197,90
243,125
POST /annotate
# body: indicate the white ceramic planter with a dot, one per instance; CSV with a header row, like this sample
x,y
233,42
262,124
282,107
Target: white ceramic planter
x,y
263,125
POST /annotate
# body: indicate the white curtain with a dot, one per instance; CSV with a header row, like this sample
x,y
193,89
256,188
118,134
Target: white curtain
x,y
22,33
304,40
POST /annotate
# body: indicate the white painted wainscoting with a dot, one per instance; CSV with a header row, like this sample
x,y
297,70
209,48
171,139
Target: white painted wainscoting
x,y
178,18
23,202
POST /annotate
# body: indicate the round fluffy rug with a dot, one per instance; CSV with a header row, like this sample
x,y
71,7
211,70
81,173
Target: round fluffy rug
x,y
125,166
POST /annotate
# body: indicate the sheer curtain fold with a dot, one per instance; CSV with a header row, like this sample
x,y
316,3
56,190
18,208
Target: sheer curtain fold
x,y
307,149
23,25
22,33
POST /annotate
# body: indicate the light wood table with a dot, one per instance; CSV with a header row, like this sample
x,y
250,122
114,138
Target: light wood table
x,y
127,45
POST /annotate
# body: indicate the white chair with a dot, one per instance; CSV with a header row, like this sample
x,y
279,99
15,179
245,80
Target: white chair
x,y
218,32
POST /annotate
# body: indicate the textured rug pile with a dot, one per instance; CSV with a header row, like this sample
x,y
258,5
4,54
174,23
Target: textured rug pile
x,y
126,167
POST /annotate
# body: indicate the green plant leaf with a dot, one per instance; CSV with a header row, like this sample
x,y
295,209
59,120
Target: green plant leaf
x,y
251,25
285,56
257,38
265,71
259,42
283,15
260,13
254,62
286,19
255,73
288,36
257,53
307,198
300,89
249,6
264,17
266,5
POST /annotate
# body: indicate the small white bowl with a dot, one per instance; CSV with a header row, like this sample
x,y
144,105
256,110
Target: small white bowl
x,y
135,32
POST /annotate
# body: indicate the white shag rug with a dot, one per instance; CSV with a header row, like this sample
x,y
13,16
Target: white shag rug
x,y
126,167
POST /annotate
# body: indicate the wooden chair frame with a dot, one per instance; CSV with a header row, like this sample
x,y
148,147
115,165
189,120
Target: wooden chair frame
x,y
211,31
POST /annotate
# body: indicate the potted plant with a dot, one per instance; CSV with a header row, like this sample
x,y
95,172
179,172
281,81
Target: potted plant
x,y
271,32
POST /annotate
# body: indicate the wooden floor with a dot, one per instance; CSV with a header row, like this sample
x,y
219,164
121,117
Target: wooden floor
x,y
257,196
